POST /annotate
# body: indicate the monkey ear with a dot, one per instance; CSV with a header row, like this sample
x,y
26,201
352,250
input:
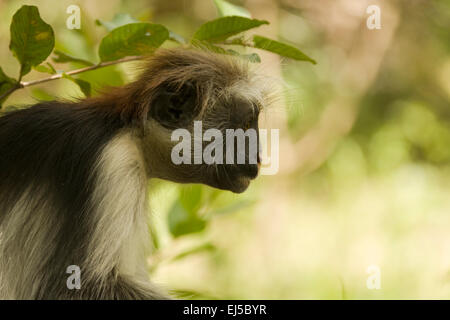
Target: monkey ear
x,y
175,108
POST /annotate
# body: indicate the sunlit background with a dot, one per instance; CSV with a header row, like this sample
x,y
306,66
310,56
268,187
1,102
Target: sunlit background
x,y
364,177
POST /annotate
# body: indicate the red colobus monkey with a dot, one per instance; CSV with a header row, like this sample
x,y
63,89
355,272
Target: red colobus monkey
x,y
73,175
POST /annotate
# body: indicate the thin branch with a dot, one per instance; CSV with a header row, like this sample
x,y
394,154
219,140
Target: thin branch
x,y
24,84
77,71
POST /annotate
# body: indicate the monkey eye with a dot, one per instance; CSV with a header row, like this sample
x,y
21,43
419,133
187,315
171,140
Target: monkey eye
x,y
174,109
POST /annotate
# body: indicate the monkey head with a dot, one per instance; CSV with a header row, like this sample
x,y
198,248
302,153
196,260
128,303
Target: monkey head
x,y
182,91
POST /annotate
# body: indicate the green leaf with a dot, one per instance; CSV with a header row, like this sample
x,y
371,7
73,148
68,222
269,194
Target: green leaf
x,y
6,83
190,197
48,68
32,40
42,95
108,76
62,57
241,41
220,29
85,86
183,216
182,222
205,45
132,39
120,19
280,48
228,9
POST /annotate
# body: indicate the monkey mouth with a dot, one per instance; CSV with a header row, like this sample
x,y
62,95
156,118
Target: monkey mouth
x,y
239,181
237,185
234,178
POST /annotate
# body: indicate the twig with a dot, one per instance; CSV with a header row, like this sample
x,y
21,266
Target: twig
x,y
24,84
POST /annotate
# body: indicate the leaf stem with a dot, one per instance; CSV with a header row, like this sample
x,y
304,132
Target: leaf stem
x,y
23,84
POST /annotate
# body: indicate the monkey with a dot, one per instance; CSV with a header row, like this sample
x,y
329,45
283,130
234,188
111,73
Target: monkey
x,y
74,174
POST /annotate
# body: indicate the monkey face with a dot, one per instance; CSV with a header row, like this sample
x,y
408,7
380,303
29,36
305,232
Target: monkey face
x,y
202,119
216,144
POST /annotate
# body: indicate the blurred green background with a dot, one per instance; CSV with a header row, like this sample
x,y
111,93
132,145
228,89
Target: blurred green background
x,y
364,173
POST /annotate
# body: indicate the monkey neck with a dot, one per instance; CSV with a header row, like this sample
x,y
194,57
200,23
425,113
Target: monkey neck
x,y
123,108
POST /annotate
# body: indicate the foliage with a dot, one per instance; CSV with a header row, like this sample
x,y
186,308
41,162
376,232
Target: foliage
x,y
221,29
132,39
33,40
